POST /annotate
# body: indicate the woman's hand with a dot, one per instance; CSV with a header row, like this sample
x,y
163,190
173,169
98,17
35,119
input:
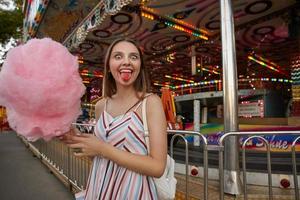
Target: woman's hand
x,y
85,145
66,138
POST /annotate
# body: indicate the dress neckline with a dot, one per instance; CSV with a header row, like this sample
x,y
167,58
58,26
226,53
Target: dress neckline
x,y
116,117
122,116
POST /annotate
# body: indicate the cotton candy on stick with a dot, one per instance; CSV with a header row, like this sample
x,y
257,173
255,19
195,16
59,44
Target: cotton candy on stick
x,y
41,89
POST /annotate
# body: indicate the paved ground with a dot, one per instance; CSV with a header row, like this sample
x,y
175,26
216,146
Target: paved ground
x,y
23,176
254,192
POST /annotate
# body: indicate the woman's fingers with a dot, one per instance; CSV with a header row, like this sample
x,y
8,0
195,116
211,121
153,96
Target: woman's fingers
x,y
70,138
75,145
81,145
75,130
66,139
79,154
83,135
79,138
60,137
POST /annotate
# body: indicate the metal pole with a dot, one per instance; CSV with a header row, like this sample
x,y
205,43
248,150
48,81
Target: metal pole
x,y
244,173
205,170
196,122
294,161
269,171
221,171
186,161
69,168
205,157
268,163
232,179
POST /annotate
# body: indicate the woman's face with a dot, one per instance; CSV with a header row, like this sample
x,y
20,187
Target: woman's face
x,y
125,63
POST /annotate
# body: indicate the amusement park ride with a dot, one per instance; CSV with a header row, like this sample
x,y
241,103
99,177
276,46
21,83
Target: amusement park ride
x,y
3,120
203,66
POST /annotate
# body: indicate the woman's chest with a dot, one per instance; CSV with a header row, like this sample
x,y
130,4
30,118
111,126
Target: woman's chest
x,y
123,132
129,123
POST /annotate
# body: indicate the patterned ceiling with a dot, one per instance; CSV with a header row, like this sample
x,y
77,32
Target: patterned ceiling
x,y
261,27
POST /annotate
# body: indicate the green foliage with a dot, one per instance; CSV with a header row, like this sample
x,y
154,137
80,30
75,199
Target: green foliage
x,y
11,22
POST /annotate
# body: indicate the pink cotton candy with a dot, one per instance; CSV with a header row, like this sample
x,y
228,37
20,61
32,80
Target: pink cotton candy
x,y
41,89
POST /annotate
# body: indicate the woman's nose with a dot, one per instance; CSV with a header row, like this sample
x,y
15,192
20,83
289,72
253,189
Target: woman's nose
x,y
126,60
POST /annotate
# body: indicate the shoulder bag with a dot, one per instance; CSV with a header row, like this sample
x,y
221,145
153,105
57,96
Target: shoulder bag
x,y
166,184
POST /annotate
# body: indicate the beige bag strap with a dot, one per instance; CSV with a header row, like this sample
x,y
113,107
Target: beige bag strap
x,y
146,131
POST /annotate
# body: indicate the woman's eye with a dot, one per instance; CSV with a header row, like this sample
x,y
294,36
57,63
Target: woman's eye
x,y
118,57
134,57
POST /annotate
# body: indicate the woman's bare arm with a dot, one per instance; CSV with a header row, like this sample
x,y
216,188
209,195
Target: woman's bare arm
x,y
152,164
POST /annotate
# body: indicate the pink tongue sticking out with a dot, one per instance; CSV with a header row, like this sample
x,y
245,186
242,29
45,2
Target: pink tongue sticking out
x,y
126,76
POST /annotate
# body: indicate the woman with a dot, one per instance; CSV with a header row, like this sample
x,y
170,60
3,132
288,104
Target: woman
x,y
122,166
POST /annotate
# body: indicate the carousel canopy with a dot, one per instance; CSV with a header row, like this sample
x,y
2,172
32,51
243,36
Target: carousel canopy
x,y
171,32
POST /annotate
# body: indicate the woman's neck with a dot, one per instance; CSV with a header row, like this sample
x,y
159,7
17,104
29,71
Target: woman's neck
x,y
125,93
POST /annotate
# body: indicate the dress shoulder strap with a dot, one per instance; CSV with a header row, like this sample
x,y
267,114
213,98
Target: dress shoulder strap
x,y
137,106
105,104
140,102
144,115
146,130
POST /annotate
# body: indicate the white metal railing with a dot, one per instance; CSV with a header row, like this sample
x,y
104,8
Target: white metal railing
x,y
181,134
75,170
258,135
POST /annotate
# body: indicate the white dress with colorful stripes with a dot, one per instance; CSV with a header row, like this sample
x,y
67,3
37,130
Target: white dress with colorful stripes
x,y
107,179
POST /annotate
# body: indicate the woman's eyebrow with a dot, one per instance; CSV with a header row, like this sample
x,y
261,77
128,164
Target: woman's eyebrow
x,y
117,52
120,52
134,53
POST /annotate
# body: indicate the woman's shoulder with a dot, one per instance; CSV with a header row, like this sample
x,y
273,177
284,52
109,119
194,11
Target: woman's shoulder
x,y
99,107
100,102
152,98
154,108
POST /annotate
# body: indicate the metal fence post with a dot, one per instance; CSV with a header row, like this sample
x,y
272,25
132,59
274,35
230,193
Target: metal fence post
x,y
294,161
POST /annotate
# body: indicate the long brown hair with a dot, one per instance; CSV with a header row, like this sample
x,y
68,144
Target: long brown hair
x,y
141,83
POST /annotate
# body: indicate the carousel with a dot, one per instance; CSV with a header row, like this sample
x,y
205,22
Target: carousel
x,y
183,43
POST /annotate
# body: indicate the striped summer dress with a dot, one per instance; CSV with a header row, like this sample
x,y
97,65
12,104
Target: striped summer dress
x,y
107,179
